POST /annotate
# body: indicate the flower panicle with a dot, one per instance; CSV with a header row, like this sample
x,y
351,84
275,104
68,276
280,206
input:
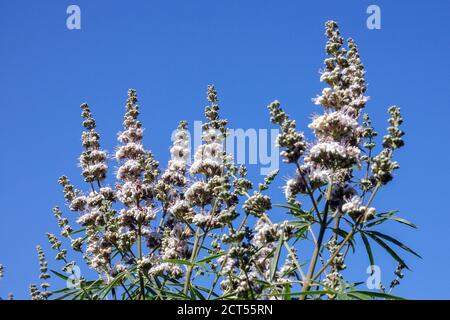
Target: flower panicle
x,y
93,160
44,275
383,165
292,141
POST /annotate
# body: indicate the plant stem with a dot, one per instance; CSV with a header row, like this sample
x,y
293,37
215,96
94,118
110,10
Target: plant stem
x,y
366,176
318,246
348,237
141,279
113,293
309,191
126,290
193,256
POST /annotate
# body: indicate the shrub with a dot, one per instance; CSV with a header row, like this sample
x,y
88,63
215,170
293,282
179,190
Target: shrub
x,y
184,232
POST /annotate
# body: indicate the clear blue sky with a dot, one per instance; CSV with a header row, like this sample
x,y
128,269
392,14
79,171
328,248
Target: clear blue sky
x,y
255,52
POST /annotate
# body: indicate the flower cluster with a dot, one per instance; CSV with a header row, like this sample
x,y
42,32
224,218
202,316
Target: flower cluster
x,y
137,164
355,209
290,139
382,165
93,159
334,278
338,132
2,274
341,146
44,273
35,292
163,232
258,204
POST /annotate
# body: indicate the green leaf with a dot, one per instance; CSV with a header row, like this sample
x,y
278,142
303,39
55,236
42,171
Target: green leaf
x,y
198,293
77,231
300,224
276,257
343,296
112,284
178,261
403,221
60,275
68,294
388,249
318,292
287,292
368,249
297,211
395,241
211,257
363,295
384,218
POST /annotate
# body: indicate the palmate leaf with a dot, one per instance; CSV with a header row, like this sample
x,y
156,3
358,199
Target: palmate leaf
x,y
402,221
300,224
65,293
298,212
368,249
197,293
204,289
230,296
60,275
150,291
370,295
112,284
388,249
287,292
293,294
347,291
167,293
301,228
394,241
390,216
77,292
211,257
178,261
77,231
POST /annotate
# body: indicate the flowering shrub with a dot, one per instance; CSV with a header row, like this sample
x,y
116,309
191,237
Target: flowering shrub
x,y
201,229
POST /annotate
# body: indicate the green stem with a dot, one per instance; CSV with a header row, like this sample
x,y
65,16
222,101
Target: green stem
x,y
193,257
318,246
309,192
141,279
366,176
348,237
126,290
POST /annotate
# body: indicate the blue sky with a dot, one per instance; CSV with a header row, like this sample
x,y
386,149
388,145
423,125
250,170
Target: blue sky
x,y
255,52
